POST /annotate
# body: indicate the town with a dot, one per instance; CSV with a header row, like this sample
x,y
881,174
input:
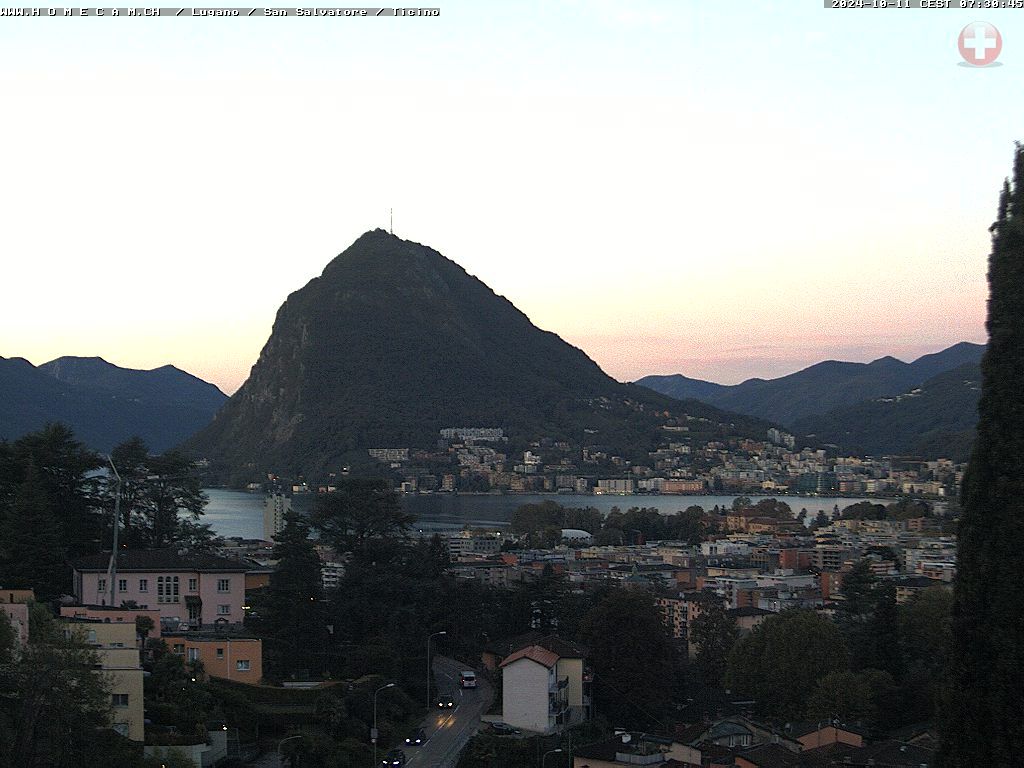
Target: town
x,y
474,459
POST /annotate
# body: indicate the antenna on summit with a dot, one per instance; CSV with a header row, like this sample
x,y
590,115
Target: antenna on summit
x,y
391,227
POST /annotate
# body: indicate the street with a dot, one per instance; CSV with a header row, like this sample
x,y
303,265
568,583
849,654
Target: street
x,y
447,732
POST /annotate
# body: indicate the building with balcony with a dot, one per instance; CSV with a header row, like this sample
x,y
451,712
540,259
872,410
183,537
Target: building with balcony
x,y
544,686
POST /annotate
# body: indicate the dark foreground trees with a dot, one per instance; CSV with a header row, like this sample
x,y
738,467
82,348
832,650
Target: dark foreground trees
x,y
778,665
983,723
54,706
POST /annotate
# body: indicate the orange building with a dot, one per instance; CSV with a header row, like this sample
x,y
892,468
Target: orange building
x,y
231,658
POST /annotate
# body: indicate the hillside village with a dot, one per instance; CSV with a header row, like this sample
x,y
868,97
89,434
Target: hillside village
x,y
477,459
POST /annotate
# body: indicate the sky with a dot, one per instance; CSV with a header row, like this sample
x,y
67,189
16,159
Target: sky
x,y
723,190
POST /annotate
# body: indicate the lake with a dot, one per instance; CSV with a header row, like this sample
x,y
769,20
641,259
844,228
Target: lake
x,y
238,513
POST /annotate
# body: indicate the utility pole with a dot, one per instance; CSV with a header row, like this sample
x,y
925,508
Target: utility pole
x,y
112,570
391,227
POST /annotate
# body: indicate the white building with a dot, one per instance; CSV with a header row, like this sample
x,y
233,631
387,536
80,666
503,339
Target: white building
x,y
541,690
275,507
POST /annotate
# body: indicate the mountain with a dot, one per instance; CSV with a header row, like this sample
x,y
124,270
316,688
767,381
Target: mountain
x,y
936,420
682,387
104,404
820,388
394,342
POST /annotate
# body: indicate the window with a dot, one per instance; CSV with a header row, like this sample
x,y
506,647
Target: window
x,y
220,653
92,636
179,648
193,654
223,610
122,585
101,585
143,585
167,589
193,585
242,665
223,585
119,699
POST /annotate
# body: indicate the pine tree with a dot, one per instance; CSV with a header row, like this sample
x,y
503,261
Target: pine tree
x,y
985,699
31,551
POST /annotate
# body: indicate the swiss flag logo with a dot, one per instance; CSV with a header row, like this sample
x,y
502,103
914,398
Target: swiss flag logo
x,y
980,43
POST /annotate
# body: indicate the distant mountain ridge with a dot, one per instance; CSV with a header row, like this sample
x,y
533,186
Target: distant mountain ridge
x,y
936,420
104,404
820,388
394,342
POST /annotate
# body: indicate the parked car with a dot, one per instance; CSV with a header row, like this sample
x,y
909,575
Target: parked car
x,y
395,758
447,701
416,738
504,729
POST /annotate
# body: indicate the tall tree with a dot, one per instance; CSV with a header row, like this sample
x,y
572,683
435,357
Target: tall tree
x,y
31,546
869,621
161,497
66,469
364,517
294,604
632,657
982,723
713,632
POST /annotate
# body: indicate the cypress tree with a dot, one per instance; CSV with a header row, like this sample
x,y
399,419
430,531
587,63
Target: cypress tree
x,y
983,722
295,625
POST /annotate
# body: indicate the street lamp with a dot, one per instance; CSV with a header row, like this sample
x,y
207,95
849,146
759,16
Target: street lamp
x,y
373,733
549,752
435,634
280,756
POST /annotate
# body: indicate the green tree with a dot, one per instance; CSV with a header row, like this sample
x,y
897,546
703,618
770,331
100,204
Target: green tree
x,y
741,502
982,722
866,698
774,508
632,657
31,549
868,619
66,469
713,632
780,662
161,498
293,608
925,639
56,704
364,517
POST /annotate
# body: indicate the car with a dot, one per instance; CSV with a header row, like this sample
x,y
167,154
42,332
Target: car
x,y
447,701
416,738
504,729
395,758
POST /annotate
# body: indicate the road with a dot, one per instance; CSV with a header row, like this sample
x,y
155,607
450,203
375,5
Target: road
x,y
448,731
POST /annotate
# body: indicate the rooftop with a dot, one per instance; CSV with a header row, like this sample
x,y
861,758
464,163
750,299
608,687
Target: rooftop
x,y
162,560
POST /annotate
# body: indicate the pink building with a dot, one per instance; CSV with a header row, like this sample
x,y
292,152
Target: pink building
x,y
197,588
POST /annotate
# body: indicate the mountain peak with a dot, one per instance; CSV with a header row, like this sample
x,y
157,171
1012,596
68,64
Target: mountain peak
x,y
391,344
